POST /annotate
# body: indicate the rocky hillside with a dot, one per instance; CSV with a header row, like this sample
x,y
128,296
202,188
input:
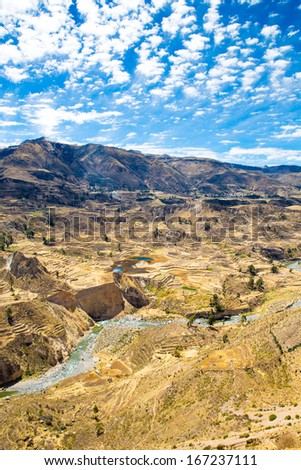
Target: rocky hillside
x,y
36,335
59,173
173,387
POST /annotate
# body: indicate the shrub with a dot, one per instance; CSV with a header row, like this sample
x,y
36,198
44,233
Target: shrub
x,y
274,269
100,429
272,417
216,304
252,270
95,409
259,284
9,315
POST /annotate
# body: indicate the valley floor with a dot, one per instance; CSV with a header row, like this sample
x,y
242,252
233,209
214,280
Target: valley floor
x,y
203,352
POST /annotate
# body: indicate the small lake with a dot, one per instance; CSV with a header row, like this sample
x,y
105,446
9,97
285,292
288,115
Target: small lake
x,y
129,265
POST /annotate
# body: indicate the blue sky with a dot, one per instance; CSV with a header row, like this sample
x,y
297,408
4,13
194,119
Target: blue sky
x,y
215,78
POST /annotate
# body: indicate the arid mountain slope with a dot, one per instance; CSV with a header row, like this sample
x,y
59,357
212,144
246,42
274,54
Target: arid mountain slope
x,y
54,172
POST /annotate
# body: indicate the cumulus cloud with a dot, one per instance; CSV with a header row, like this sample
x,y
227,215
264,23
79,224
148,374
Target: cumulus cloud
x,y
181,18
212,21
12,7
15,75
156,60
270,32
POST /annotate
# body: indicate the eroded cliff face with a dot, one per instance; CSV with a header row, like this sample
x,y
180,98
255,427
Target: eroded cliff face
x,y
36,335
131,289
101,302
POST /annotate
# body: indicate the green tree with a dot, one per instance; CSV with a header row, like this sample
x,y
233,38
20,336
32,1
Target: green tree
x,y
259,284
191,320
215,303
252,270
9,240
95,408
2,242
251,283
274,269
211,319
9,315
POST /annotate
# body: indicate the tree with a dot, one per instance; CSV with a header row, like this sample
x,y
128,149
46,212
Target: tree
x,y
9,315
95,408
29,233
252,270
2,242
251,283
274,269
190,321
225,338
243,319
9,240
259,284
216,304
211,319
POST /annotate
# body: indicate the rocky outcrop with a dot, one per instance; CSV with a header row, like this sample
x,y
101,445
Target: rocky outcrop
x,y
29,274
101,302
20,266
276,254
36,335
131,290
9,371
65,299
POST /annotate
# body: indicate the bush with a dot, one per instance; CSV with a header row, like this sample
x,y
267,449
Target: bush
x,y
225,338
9,315
259,284
272,417
251,283
100,429
274,269
216,303
95,409
252,270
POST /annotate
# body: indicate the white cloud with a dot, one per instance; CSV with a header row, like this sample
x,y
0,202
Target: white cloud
x,y
191,92
270,32
181,18
267,154
47,119
10,123
289,132
250,2
252,41
198,152
251,76
196,42
131,135
8,110
15,75
212,21
12,7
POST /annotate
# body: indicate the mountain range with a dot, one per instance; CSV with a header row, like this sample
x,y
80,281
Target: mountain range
x,y
66,173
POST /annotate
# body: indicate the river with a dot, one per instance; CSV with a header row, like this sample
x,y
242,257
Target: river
x,y
83,359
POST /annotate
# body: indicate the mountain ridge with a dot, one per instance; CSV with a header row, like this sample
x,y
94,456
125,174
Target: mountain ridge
x,y
57,171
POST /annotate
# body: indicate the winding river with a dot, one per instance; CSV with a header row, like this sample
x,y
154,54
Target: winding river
x,y
83,359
